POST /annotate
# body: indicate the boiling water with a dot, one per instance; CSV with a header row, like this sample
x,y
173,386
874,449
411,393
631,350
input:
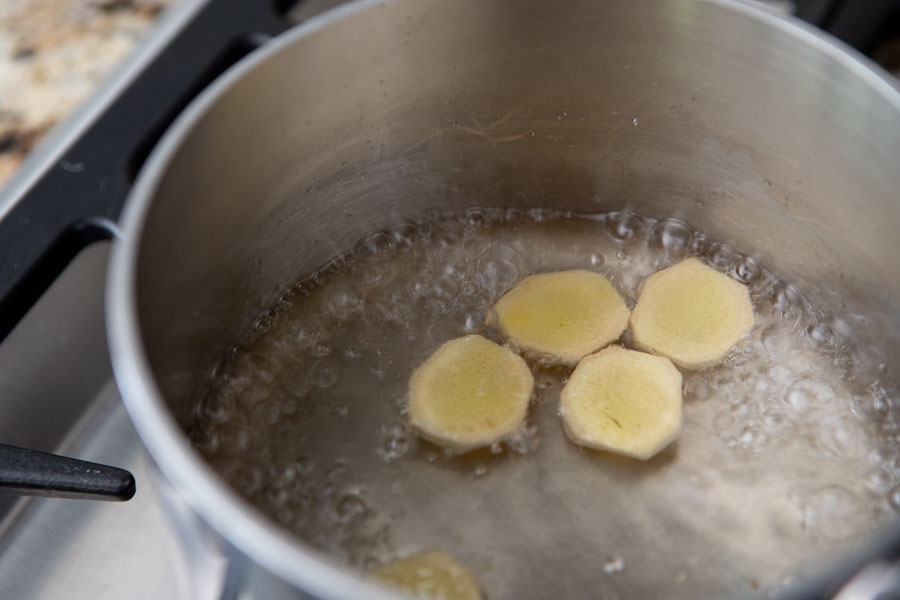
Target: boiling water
x,y
788,448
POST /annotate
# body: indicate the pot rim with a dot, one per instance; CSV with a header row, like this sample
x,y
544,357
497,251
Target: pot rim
x,y
196,482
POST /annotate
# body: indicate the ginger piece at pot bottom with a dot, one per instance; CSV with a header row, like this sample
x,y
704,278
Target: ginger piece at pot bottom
x,y
623,401
567,314
433,575
691,314
470,393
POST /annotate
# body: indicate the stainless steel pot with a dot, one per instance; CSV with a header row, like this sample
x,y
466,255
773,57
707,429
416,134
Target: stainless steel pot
x,y
757,130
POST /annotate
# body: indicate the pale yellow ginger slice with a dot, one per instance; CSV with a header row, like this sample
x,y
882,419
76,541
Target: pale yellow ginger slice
x,y
568,314
692,314
623,401
433,575
470,393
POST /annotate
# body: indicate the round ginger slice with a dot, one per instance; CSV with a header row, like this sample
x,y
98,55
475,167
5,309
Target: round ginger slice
x,y
568,314
691,314
470,393
433,575
623,401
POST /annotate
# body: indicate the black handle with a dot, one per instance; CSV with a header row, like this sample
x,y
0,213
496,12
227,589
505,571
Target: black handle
x,y
49,223
30,473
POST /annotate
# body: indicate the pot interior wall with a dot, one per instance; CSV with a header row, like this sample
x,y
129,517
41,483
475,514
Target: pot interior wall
x,y
697,110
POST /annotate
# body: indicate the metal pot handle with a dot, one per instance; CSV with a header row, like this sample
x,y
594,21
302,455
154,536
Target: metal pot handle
x,y
30,473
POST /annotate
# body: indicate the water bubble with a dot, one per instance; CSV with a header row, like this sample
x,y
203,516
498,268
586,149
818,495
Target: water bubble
x,y
699,243
772,421
324,373
262,324
267,412
475,218
879,479
351,506
720,256
304,465
786,298
525,440
539,215
316,341
250,366
338,410
829,512
469,289
697,389
342,300
218,409
276,497
396,308
296,384
671,236
511,215
894,498
623,226
496,448
248,479
239,439
403,235
544,382
379,244
336,471
880,401
807,393
420,286
498,275
470,320
443,289
752,439
844,439
547,361
821,335
596,260
452,270
621,254
352,351
747,270
725,421
775,341
375,275
445,236
613,564
396,441
253,395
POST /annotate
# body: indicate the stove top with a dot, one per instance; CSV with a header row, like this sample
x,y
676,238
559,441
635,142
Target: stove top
x,y
56,219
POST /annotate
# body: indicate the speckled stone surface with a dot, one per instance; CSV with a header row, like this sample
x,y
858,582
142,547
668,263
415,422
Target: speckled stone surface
x,y
53,54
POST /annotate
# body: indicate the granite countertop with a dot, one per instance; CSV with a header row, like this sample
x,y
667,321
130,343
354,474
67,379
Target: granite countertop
x,y
53,54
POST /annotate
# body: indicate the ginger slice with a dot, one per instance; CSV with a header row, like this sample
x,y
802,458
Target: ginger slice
x,y
691,314
470,393
623,401
433,575
568,314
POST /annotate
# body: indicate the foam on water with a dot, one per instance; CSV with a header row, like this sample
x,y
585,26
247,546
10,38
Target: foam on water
x,y
789,447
